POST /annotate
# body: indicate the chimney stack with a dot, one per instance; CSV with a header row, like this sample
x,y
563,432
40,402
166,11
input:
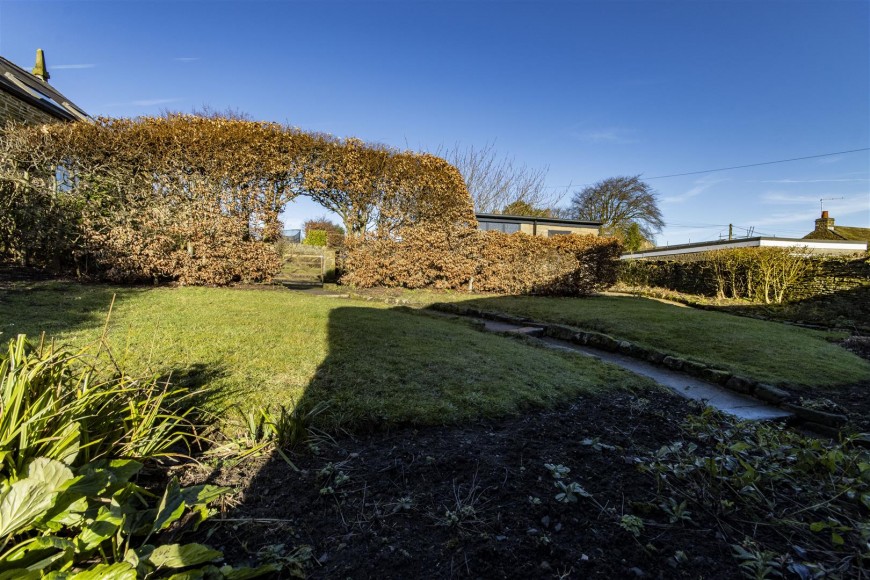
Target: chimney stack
x,y
39,70
824,223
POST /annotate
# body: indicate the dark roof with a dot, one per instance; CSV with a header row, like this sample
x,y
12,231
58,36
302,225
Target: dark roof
x,y
526,219
840,233
34,91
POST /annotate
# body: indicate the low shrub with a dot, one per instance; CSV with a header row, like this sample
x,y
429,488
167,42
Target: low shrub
x,y
62,406
72,438
463,258
812,497
766,275
315,238
333,233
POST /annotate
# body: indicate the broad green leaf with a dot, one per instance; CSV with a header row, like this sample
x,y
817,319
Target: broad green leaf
x,y
124,469
118,571
53,474
818,526
181,556
89,483
171,507
22,503
43,549
103,527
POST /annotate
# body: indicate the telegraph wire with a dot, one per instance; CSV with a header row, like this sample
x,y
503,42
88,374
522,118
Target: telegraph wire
x,y
731,167
759,164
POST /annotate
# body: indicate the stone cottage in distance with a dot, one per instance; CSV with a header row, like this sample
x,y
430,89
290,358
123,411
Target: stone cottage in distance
x,y
827,230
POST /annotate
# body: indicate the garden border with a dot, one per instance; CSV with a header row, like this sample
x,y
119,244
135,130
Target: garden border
x,y
821,421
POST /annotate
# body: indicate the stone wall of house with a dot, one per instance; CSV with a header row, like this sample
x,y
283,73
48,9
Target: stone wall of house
x,y
14,109
831,275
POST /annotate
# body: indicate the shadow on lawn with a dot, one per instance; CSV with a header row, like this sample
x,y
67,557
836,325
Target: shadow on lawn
x,y
378,503
391,366
56,307
848,309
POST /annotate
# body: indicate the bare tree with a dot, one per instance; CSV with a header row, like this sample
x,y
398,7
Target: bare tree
x,y
619,202
495,181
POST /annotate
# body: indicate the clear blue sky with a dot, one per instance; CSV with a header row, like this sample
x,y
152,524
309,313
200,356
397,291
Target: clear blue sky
x,y
591,89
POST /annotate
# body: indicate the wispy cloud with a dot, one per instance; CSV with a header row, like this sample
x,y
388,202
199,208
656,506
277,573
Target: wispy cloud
x,y
812,180
839,209
611,135
700,187
784,198
153,102
72,66
186,58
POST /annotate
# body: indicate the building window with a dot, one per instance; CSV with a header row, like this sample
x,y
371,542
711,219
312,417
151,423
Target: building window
x,y
507,228
551,233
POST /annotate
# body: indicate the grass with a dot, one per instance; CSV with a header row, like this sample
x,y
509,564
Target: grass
x,y
766,351
372,363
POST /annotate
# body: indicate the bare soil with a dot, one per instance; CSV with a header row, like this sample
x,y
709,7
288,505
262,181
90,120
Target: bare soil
x,y
474,501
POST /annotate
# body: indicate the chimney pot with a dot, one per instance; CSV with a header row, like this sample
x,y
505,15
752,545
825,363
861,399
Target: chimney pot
x,y
825,214
39,70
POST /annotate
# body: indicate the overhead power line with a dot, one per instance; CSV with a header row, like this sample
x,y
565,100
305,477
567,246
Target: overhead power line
x,y
735,166
759,164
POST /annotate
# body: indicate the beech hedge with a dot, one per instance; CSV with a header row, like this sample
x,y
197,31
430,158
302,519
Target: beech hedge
x,y
196,199
463,258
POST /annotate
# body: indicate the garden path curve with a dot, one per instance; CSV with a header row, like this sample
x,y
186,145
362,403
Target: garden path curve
x,y
718,397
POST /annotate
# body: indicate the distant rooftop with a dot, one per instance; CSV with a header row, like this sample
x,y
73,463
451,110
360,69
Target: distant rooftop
x,y
527,219
37,92
819,247
827,230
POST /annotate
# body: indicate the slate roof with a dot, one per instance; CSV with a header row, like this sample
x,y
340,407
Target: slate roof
x,y
840,233
524,219
34,91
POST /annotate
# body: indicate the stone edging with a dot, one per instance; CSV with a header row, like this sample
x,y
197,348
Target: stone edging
x,y
822,421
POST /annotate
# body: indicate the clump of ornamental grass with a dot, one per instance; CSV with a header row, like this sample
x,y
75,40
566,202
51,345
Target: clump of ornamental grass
x,y
73,435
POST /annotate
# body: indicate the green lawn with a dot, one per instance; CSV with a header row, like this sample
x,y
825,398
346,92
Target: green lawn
x,y
374,364
767,351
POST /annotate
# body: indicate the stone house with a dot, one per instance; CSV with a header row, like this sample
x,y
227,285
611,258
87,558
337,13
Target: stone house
x,y
26,97
826,230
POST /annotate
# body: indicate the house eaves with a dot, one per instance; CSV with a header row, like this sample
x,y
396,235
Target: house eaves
x,y
811,246
38,93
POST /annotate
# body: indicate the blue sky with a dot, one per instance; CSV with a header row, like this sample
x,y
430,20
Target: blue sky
x,y
590,89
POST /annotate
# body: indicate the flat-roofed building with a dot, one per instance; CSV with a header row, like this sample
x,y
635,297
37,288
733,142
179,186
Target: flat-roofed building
x,y
536,226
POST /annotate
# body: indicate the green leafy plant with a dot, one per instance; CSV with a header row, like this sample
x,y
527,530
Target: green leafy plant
x,y
61,405
71,435
631,524
676,511
757,564
557,471
814,492
315,238
569,492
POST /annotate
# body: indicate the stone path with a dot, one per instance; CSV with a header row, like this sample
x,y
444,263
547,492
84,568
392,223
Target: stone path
x,y
716,396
